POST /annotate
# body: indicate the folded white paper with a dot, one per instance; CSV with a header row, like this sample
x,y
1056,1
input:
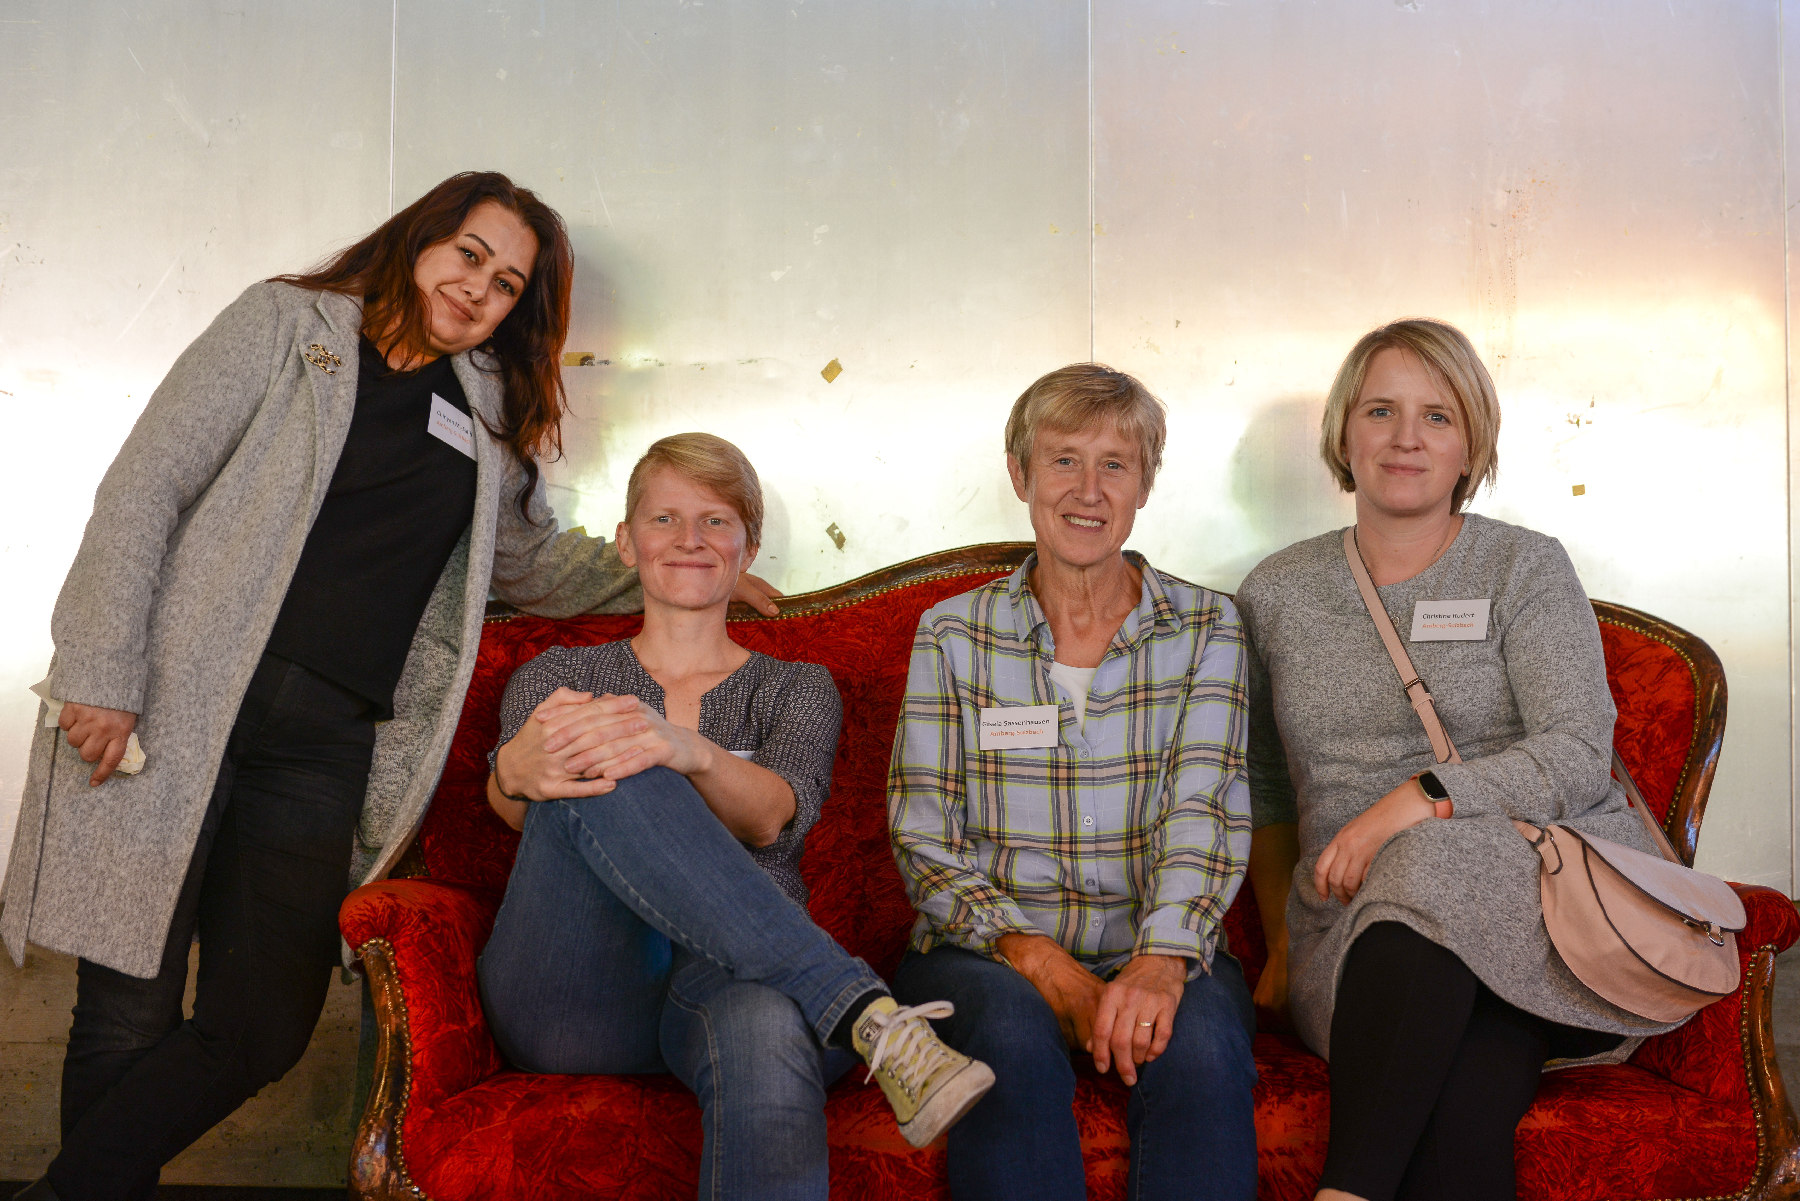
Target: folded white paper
x,y
130,765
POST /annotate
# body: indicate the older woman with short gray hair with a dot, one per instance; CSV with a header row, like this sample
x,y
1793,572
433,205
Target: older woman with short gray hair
x,y
1069,812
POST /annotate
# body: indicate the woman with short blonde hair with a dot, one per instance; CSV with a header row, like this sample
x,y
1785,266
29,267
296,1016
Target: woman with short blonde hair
x,y
1452,363
656,918
1403,910
1081,396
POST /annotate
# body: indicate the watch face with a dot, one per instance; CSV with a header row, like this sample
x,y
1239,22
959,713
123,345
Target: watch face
x,y
1433,788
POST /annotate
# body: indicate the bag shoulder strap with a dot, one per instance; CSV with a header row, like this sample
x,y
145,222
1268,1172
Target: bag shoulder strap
x,y
1410,683
1420,696
1622,774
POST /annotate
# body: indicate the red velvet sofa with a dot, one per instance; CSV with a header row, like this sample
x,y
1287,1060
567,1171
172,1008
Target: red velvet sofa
x,y
1699,1113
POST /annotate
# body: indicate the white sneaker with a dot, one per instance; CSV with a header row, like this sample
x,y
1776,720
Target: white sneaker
x,y
929,1085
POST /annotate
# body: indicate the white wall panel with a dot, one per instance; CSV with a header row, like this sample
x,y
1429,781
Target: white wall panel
x,y
1592,191
156,158
755,190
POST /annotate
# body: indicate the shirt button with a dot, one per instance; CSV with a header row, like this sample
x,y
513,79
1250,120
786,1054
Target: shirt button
x,y
1084,754
1091,884
1087,821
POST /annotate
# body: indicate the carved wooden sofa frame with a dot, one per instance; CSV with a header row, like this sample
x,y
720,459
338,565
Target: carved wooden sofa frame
x,y
1729,1050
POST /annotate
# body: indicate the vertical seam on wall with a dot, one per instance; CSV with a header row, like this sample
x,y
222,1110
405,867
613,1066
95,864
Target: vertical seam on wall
x,y
1093,215
393,93
1787,383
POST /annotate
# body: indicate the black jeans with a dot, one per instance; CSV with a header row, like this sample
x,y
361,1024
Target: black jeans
x,y
262,891
1431,1072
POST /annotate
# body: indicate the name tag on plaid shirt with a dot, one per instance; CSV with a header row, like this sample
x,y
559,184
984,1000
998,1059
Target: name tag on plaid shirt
x,y
1019,727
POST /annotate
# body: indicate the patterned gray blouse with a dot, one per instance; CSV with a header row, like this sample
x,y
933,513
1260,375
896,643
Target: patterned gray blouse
x,y
779,715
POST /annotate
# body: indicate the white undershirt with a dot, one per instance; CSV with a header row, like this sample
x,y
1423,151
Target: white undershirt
x,y
1075,681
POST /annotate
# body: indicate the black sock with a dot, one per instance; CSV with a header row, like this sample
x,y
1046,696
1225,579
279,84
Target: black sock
x,y
842,1034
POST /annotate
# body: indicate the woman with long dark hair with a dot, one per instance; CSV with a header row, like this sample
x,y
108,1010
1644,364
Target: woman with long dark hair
x,y
280,592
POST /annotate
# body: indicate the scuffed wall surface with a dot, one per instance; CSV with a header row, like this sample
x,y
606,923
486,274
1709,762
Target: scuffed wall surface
x,y
931,196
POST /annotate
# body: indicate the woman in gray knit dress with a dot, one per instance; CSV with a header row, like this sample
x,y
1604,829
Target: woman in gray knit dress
x,y
1413,949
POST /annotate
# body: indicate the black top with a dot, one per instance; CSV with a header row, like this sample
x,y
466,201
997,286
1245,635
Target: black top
x,y
399,501
779,715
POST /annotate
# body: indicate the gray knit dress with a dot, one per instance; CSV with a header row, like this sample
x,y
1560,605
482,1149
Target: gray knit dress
x,y
1331,733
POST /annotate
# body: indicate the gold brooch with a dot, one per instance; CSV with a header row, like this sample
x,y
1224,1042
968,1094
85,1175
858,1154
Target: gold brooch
x,y
323,359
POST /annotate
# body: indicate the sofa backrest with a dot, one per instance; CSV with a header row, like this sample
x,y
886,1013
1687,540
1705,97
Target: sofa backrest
x,y
1669,688
862,632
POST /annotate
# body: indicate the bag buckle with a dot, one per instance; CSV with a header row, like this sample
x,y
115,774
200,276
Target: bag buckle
x,y
1544,835
1713,933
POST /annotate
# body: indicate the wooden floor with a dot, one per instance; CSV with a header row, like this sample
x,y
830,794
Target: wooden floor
x,y
294,1135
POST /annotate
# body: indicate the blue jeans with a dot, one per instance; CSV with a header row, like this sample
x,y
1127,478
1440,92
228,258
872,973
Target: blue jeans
x,y
637,935
1190,1115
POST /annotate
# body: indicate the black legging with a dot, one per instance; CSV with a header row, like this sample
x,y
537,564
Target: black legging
x,y
1431,1072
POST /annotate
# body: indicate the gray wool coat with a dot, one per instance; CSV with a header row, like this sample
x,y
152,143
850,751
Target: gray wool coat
x,y
1331,733
196,531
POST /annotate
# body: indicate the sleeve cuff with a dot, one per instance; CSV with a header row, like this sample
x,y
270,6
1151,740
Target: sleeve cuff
x,y
103,684
983,937
1173,940
1468,796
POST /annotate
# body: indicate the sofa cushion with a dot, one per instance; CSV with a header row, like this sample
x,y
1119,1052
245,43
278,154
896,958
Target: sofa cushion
x,y
1593,1133
1677,1121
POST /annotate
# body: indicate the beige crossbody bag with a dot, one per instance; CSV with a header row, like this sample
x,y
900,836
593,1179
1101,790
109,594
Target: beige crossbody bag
x,y
1649,934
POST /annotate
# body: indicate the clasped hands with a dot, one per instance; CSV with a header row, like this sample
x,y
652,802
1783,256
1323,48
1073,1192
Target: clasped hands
x,y
576,744
1122,1022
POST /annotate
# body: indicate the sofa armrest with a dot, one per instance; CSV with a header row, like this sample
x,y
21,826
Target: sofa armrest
x,y
1727,1051
418,941
1707,1054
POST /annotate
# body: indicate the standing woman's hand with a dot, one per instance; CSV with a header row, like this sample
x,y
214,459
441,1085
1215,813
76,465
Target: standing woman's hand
x,y
100,735
1344,864
756,592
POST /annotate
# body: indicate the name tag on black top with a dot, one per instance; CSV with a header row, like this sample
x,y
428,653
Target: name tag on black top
x,y
452,426
1450,621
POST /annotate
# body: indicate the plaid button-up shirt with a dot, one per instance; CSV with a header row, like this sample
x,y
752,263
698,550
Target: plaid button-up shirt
x,y
1130,836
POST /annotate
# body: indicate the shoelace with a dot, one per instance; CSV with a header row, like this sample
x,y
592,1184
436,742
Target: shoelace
x,y
902,1037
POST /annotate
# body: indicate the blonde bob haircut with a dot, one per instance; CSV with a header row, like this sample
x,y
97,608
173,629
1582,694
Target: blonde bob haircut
x,y
1451,361
711,462
1079,397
